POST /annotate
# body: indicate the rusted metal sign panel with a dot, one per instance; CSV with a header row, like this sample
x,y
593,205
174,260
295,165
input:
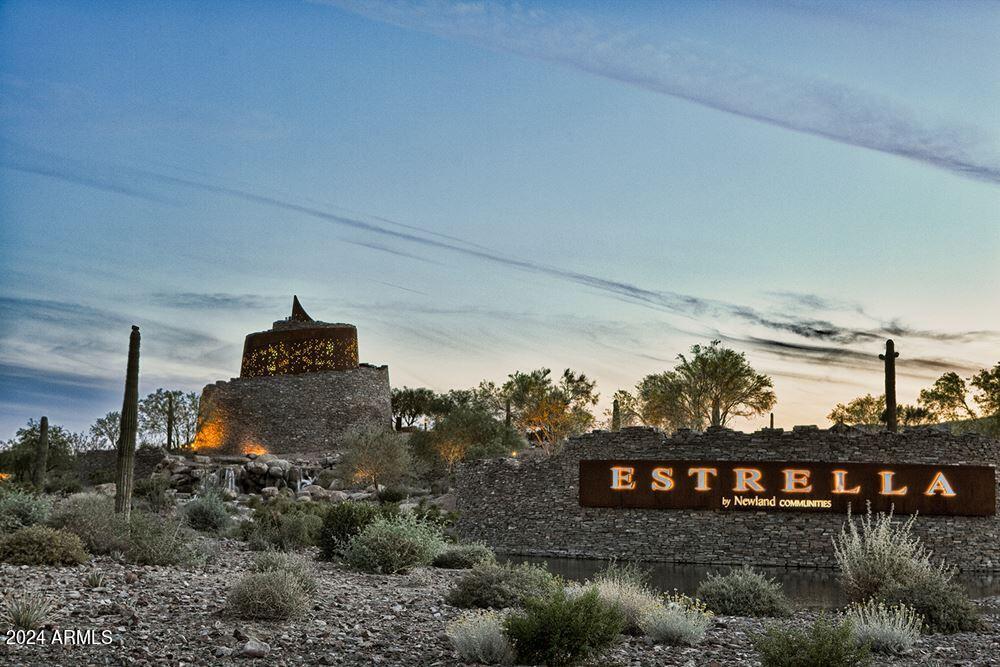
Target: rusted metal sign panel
x,y
803,486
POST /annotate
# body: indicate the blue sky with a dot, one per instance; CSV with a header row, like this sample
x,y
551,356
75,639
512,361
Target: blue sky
x,y
484,187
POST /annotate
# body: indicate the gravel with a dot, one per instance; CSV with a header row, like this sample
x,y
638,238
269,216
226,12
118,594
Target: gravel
x,y
177,616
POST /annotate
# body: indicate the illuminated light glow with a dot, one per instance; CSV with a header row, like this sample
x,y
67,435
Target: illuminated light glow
x,y
4,475
747,479
663,479
797,481
253,448
210,435
887,490
840,483
702,477
621,478
940,484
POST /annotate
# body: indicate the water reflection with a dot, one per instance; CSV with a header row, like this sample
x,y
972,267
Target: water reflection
x,y
808,588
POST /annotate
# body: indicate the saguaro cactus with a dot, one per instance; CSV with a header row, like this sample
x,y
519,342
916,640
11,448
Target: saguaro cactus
x,y
616,416
41,454
170,421
890,384
127,432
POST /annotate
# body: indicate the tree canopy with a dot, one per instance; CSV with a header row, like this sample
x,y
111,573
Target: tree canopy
x,y
708,387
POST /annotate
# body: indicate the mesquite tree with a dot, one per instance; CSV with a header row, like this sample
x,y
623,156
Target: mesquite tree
x,y
129,427
41,454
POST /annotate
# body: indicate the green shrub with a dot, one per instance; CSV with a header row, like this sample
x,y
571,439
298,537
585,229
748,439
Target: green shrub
x,y
275,595
19,509
892,630
297,566
156,540
393,494
744,592
41,545
154,491
394,545
944,605
343,521
92,518
428,512
461,556
63,482
560,630
479,637
679,620
25,611
284,525
207,513
823,644
500,586
626,587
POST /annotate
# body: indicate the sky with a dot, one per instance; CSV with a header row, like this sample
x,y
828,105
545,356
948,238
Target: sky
x,y
483,187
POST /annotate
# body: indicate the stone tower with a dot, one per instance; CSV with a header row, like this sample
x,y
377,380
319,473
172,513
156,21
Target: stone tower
x,y
300,389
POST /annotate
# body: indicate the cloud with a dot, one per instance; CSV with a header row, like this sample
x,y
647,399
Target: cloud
x,y
816,106
212,301
660,300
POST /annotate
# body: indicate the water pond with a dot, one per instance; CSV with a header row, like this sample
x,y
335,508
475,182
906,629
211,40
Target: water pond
x,y
808,588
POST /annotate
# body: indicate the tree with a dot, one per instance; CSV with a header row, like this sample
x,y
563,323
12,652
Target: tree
x,y
628,410
105,430
18,454
410,405
947,398
375,455
710,387
987,382
153,413
468,432
867,410
913,415
548,411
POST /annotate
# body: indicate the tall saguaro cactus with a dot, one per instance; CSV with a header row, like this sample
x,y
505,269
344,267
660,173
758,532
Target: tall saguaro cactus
x,y
41,454
890,384
127,432
170,421
616,416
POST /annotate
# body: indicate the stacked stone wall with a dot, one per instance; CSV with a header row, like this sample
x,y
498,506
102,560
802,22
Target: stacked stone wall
x,y
530,506
302,414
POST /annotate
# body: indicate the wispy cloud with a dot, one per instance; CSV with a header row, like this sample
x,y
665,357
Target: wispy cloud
x,y
661,300
212,301
814,106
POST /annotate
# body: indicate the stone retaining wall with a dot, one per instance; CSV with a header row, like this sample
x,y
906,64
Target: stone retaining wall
x,y
530,506
303,414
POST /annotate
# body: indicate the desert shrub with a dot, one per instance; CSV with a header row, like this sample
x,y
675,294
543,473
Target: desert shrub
x,y
19,509
882,554
563,630
63,482
153,490
479,637
156,540
275,595
885,629
343,521
393,494
389,546
430,513
500,586
25,611
41,545
823,644
679,620
92,518
744,592
297,566
626,587
94,579
284,525
460,556
943,605
207,513
885,560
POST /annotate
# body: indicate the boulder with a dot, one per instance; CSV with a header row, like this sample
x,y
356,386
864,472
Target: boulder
x,y
254,648
106,489
269,492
